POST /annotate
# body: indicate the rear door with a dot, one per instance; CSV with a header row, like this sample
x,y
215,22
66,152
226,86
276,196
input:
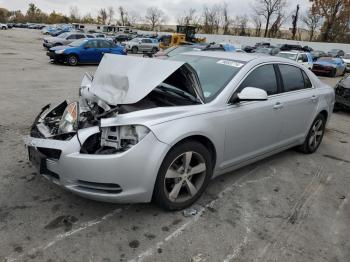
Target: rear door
x,y
299,102
253,127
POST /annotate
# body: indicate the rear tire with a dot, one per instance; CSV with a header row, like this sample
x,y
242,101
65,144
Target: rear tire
x,y
72,60
154,50
134,50
183,176
314,136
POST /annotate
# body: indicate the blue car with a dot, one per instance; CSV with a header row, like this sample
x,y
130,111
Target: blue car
x,y
81,51
330,66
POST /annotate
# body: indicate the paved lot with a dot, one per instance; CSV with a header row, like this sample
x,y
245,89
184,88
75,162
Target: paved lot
x,y
290,207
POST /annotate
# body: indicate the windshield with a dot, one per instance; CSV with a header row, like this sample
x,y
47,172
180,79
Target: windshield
x,y
135,40
78,42
63,35
288,55
213,73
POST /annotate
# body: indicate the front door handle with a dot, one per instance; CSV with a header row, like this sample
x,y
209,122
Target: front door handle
x,y
278,106
313,98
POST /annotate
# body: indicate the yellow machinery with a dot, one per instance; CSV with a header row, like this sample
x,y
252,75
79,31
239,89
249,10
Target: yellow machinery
x,y
184,35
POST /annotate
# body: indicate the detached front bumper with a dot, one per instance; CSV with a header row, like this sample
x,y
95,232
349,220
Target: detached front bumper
x,y
126,177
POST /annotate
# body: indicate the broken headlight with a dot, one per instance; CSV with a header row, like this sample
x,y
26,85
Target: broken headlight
x,y
69,120
122,138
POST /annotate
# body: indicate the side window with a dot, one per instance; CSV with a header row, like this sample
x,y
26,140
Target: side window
x,y
307,82
304,57
71,37
292,78
90,36
263,77
80,36
104,44
91,44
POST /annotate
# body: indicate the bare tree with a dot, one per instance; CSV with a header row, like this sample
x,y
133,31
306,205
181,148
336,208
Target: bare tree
x,y
133,18
226,20
123,16
267,9
110,14
154,17
74,14
188,18
275,28
257,24
243,21
102,16
295,18
312,21
211,19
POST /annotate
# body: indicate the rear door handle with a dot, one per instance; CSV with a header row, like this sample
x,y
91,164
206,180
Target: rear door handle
x,y
278,106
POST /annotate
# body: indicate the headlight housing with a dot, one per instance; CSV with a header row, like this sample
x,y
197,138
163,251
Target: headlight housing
x,y
69,120
59,52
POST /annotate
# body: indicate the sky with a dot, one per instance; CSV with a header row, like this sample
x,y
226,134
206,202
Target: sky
x,y
171,8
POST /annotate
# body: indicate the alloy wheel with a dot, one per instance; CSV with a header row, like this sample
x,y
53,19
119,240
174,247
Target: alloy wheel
x,y
316,134
185,177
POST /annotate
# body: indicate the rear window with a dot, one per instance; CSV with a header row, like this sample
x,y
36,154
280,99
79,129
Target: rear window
x,y
213,73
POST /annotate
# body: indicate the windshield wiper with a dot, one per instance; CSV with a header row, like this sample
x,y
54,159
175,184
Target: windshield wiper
x,y
171,89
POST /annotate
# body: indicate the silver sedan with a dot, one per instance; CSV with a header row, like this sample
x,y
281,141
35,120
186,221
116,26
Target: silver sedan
x,y
148,129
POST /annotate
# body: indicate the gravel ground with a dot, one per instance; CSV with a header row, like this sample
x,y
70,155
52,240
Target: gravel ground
x,y
289,207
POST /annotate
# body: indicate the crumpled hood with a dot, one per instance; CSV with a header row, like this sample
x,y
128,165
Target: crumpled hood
x,y
126,79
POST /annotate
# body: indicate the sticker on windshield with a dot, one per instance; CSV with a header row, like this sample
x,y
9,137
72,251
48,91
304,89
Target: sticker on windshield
x,y
229,63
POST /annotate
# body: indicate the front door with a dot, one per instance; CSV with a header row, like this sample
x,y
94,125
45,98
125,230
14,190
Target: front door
x,y
253,127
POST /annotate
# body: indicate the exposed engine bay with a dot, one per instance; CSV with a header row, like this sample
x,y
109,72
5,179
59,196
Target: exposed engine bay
x,y
63,121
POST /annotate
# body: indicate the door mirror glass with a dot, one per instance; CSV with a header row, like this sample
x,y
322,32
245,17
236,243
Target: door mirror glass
x,y
251,94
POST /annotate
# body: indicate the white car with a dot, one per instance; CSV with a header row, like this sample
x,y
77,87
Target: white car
x,y
303,58
3,26
346,59
160,129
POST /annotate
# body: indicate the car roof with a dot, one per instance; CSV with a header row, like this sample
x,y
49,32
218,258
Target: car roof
x,y
245,57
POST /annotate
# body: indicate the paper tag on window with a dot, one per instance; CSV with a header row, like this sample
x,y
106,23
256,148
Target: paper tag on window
x,y
229,63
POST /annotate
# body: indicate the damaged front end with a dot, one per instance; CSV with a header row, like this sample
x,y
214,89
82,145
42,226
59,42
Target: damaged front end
x,y
110,93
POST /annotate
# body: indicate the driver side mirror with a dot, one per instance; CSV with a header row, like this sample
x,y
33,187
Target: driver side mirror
x,y
300,60
249,94
140,42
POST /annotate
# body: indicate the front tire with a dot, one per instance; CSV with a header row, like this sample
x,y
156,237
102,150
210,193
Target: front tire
x,y
72,60
134,50
315,135
183,176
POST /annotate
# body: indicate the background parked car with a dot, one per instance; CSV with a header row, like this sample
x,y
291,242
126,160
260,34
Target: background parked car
x,y
303,58
316,54
336,52
84,51
331,66
342,94
137,45
289,47
122,38
3,26
64,39
346,59
267,50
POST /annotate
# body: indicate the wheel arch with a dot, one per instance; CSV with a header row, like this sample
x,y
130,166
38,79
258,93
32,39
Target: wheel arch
x,y
204,140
